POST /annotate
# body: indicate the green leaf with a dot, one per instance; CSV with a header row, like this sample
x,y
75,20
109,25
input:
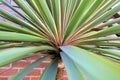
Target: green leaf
x,y
101,43
12,45
27,69
14,9
2,43
90,11
109,23
13,36
12,54
104,51
4,29
31,13
70,8
56,10
105,32
84,4
46,14
64,9
103,8
73,71
101,18
50,71
94,8
106,39
95,67
7,25
17,20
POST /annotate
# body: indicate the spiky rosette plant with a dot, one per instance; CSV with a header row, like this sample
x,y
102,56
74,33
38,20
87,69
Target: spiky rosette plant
x,y
62,30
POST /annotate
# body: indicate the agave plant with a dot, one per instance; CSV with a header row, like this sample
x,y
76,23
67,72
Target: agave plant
x,y
63,31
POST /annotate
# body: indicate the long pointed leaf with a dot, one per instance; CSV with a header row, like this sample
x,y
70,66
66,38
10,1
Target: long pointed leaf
x,y
34,16
101,10
26,70
46,14
13,36
90,11
109,22
107,39
16,28
106,32
80,10
17,20
12,54
12,45
56,10
50,71
28,10
104,51
14,9
73,71
100,19
101,43
99,68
